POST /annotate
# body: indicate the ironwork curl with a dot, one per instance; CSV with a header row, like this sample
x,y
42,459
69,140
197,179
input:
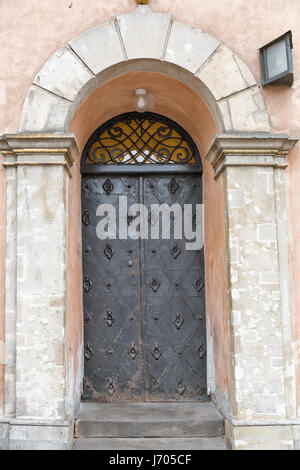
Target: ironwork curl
x,y
140,138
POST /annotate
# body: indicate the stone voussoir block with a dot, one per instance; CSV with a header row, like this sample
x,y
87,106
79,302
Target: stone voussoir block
x,y
43,111
99,47
245,113
189,47
63,74
224,75
144,32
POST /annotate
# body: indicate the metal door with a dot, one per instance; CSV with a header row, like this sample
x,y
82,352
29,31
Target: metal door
x,y
174,304
144,306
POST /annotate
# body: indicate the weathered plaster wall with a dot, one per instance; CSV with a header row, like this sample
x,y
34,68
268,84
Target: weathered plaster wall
x,y
293,205
31,32
219,378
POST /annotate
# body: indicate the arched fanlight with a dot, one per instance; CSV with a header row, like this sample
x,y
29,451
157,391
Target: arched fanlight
x,y
140,139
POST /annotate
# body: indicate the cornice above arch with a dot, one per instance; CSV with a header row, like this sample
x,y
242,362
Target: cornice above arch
x,y
233,93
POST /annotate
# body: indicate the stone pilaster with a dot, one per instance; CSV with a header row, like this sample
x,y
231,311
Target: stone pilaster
x,y
10,287
38,169
263,363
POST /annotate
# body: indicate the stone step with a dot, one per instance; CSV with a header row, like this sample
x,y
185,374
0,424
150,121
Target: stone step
x,y
140,420
191,443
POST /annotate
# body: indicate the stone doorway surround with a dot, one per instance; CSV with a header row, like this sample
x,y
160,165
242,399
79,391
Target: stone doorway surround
x,y
42,391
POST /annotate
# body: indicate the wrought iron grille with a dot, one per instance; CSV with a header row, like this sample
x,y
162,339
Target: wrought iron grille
x,y
138,139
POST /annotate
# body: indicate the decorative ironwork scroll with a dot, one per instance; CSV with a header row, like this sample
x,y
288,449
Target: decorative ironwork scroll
x,y
140,138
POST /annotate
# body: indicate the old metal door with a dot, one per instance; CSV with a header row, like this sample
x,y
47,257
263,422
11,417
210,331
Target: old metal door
x,y
144,307
114,363
174,304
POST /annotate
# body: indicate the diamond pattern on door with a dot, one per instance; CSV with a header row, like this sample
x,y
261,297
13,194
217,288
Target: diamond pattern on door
x,y
144,305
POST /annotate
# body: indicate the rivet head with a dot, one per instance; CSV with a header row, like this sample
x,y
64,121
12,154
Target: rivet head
x,y
156,352
155,284
108,251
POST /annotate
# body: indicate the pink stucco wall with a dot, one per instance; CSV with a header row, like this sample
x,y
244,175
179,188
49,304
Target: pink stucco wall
x,y
32,31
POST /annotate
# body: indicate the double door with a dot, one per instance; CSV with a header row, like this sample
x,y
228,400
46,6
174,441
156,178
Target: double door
x,y
144,305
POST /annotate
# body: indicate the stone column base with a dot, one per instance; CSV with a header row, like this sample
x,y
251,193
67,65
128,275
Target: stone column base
x,y
267,435
23,434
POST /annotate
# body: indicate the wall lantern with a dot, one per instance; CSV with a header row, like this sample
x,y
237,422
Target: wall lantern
x,y
276,61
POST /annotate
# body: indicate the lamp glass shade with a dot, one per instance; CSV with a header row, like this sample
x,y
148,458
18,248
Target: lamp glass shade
x,y
276,58
276,61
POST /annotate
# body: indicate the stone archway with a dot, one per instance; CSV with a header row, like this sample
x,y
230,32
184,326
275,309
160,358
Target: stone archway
x,y
42,165
76,69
